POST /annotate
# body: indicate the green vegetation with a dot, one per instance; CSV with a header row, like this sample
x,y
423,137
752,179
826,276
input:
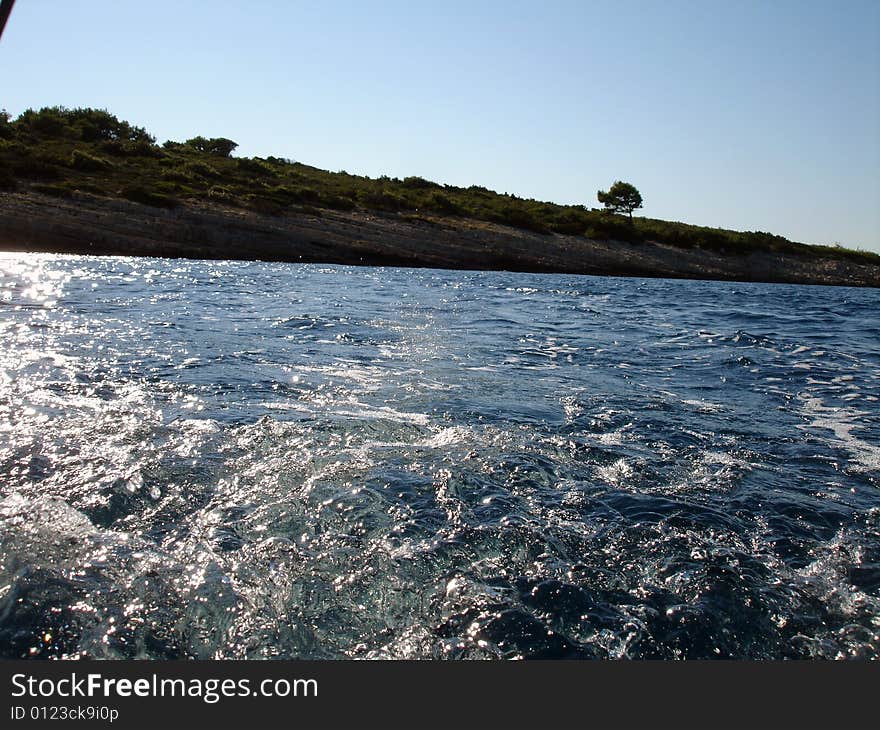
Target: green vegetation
x,y
622,197
58,151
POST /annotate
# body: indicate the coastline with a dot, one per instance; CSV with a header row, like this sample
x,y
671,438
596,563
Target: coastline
x,y
89,224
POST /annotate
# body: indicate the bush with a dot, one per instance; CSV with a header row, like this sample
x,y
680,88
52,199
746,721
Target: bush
x,y
35,168
304,195
519,218
86,187
13,148
219,146
418,183
131,149
571,222
177,175
442,204
88,125
97,124
337,202
7,179
6,129
200,169
85,162
381,200
47,122
141,194
610,227
251,166
56,191
263,206
221,194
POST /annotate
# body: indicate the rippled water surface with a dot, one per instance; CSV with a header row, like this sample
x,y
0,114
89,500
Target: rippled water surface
x,y
246,460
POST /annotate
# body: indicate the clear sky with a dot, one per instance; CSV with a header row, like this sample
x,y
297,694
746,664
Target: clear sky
x,y
747,115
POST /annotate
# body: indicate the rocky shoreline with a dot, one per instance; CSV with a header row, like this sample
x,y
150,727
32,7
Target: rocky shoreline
x,y
88,224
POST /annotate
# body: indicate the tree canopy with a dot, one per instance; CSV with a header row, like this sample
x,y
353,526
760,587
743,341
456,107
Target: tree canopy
x,y
622,197
86,125
219,146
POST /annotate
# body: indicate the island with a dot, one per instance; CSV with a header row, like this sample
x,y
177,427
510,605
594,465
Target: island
x,y
82,181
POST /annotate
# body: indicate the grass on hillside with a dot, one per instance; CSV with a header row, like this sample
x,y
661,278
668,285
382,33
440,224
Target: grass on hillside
x,y
57,151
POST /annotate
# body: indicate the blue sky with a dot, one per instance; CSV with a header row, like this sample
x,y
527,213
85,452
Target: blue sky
x,y
747,115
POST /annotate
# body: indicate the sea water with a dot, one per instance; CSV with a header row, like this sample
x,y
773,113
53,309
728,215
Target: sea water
x,y
225,459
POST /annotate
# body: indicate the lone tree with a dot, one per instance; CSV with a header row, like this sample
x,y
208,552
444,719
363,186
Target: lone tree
x,y
621,198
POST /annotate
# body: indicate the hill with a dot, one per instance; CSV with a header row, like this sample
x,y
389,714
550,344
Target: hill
x,y
57,164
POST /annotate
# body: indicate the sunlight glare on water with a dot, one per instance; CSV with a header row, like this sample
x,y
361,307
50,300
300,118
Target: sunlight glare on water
x,y
254,460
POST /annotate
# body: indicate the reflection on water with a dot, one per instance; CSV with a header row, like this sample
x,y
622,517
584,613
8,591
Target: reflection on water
x,y
230,459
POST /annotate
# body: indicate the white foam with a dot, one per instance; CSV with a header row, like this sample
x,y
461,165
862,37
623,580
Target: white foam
x,y
616,473
704,406
841,422
446,437
383,413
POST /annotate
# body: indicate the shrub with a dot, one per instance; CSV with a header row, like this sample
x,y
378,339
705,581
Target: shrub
x,y
381,200
56,191
87,187
219,146
94,125
140,148
337,202
221,194
13,148
517,217
442,204
47,122
35,168
176,174
88,125
613,228
200,169
7,179
6,129
251,166
418,183
85,162
263,206
141,194
571,222
305,195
